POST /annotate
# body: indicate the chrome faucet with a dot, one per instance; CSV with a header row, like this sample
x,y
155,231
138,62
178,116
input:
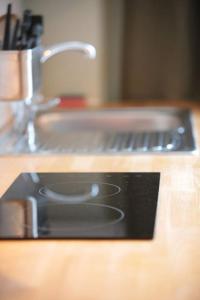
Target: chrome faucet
x,y
85,48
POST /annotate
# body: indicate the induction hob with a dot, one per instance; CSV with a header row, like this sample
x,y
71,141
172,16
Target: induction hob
x,y
80,206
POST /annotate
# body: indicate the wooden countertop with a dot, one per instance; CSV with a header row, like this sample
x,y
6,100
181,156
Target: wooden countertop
x,y
167,268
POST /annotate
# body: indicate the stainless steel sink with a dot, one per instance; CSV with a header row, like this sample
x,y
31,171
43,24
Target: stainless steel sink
x,y
111,131
116,130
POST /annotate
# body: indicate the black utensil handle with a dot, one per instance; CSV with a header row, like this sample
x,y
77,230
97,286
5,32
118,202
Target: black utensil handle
x,y
15,35
25,27
6,40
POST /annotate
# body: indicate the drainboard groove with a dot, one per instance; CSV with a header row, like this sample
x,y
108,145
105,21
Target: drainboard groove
x,y
161,141
169,141
176,140
131,142
141,142
158,142
125,141
152,140
146,141
109,142
137,141
117,146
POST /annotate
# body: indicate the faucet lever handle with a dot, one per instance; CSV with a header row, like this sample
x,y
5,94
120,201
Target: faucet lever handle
x,y
45,105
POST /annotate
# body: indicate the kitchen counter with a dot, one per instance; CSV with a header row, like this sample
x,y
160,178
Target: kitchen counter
x,y
167,268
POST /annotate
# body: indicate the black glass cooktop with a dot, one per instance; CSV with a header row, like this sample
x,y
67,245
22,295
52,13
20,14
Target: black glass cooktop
x,y
80,205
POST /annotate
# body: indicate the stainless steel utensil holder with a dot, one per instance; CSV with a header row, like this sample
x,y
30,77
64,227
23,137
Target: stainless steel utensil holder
x,y
20,74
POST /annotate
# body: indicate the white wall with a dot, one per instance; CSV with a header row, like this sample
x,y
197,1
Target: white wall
x,y
65,20
16,5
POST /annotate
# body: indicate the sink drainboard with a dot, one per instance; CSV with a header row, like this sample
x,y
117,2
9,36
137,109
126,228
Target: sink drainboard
x,y
115,142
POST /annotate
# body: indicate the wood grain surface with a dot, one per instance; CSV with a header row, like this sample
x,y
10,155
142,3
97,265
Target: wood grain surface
x,y
167,268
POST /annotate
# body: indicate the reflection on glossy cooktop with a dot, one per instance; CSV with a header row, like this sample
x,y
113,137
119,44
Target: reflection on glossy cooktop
x,y
80,205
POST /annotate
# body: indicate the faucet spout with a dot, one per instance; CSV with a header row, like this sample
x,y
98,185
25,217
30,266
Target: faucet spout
x,y
85,48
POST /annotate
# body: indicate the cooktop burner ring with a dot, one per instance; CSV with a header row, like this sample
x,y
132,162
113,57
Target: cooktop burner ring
x,y
94,191
103,223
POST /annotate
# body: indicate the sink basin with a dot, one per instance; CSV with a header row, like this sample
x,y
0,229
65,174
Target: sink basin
x,y
111,131
116,130
139,120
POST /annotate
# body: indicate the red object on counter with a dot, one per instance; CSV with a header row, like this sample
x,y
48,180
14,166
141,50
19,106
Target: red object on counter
x,y
72,102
